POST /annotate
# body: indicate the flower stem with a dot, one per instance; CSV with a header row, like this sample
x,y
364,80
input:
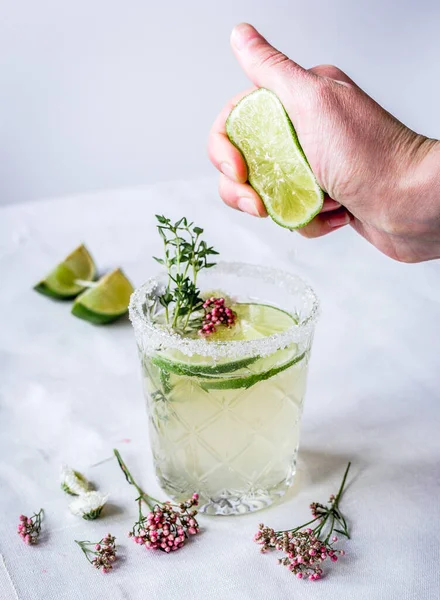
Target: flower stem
x,y
38,516
82,545
149,500
336,512
330,529
294,529
332,512
341,489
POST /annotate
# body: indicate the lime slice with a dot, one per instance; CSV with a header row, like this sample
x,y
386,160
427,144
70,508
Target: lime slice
x,y
234,383
61,282
277,166
198,366
106,301
254,321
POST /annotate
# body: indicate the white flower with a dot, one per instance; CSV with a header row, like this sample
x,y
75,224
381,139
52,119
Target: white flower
x,y
73,482
89,505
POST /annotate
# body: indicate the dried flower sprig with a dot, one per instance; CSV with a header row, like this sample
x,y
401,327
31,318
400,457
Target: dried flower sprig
x,y
103,552
185,255
89,506
216,314
167,526
29,527
307,548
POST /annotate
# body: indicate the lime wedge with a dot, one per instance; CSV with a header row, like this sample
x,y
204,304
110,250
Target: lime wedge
x,y
106,301
61,282
277,166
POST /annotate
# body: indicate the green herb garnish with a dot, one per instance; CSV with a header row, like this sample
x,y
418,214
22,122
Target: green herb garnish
x,y
185,255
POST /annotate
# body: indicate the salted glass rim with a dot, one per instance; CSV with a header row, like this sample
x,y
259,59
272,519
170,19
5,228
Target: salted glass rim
x,y
151,336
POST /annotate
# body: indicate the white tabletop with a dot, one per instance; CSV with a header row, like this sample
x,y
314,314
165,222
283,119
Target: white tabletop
x,y
70,392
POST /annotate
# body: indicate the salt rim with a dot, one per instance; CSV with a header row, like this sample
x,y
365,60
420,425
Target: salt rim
x,y
151,337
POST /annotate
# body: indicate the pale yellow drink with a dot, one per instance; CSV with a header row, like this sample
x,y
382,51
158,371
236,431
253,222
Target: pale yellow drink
x,y
228,426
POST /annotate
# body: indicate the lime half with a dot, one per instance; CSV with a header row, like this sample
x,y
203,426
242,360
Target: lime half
x,y
106,301
61,282
277,167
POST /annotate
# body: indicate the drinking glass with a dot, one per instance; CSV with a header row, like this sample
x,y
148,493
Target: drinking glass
x,y
224,416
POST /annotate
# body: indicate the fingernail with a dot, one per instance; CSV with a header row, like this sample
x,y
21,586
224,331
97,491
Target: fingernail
x,y
228,170
242,34
248,205
339,220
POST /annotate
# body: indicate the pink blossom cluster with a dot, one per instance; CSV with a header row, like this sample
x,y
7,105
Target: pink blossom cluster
x,y
165,528
105,553
305,552
319,510
29,528
216,313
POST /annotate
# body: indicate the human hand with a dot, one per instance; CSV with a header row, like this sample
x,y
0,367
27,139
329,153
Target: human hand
x,y
378,175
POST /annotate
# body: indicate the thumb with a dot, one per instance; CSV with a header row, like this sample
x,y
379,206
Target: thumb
x,y
263,64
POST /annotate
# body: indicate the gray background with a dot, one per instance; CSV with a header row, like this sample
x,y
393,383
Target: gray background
x,y
104,93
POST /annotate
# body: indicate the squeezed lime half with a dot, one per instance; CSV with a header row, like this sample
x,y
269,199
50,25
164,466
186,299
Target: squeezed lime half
x,y
277,166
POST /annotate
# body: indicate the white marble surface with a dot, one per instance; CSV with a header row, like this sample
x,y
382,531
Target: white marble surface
x,y
70,392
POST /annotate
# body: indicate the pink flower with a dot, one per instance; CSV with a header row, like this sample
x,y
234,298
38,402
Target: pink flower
x,y
216,314
29,528
167,526
103,552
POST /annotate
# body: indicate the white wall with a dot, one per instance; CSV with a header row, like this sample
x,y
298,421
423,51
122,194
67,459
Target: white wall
x,y
107,93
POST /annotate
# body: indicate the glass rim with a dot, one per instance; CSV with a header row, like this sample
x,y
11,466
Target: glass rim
x,y
151,337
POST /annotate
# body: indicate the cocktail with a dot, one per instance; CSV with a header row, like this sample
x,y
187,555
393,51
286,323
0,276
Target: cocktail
x,y
225,389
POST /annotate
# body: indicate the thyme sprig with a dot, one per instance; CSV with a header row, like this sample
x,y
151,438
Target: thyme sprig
x,y
185,255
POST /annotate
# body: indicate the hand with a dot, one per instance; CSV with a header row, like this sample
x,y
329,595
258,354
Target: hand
x,y
378,175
